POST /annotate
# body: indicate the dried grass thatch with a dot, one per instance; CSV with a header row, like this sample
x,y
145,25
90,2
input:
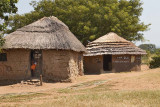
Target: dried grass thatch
x,y
46,33
112,44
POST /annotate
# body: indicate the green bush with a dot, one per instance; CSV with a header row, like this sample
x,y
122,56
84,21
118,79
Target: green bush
x,y
155,63
146,58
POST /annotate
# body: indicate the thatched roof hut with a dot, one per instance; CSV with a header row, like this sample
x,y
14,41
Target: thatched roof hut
x,y
112,44
46,33
114,52
48,42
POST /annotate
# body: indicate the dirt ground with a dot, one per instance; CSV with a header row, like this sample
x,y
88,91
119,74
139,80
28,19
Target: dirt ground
x,y
23,88
144,67
129,86
119,81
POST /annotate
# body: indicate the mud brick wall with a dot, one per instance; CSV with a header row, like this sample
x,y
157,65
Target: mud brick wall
x,y
17,66
123,63
60,65
120,63
93,64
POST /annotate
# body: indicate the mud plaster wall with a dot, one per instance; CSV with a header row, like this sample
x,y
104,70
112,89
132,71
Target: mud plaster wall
x,y
17,66
93,64
60,65
122,63
75,64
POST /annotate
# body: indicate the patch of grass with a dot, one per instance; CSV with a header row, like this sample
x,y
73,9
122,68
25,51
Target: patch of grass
x,y
89,83
65,90
110,98
20,97
102,96
79,87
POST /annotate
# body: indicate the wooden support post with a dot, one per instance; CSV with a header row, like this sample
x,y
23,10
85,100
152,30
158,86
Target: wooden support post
x,y
41,80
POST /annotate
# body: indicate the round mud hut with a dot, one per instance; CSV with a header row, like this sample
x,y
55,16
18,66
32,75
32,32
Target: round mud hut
x,y
112,53
49,44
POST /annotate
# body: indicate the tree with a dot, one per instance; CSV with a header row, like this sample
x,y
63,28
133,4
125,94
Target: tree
x,y
6,7
148,47
89,19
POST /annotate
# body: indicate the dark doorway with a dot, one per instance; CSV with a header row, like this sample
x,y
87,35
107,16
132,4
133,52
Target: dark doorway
x,y
36,58
107,62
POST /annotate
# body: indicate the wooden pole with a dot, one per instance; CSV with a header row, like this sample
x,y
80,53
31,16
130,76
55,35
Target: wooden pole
x,y
40,80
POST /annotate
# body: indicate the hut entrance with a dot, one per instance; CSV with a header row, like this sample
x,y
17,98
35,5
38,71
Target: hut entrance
x,y
107,62
36,58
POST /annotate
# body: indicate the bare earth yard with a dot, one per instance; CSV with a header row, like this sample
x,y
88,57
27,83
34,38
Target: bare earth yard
x,y
132,89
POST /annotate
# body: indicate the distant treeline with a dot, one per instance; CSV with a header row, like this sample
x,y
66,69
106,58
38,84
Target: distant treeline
x,y
150,47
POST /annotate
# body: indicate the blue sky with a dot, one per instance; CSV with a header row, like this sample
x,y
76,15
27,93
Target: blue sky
x,y
151,14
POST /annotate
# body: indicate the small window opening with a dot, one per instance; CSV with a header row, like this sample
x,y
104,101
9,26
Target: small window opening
x,y
3,57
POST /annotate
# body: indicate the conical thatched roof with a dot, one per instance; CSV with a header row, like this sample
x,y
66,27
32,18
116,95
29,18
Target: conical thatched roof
x,y
110,37
46,33
112,44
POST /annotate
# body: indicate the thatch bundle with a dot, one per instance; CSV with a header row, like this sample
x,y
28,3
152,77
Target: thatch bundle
x,y
112,44
46,33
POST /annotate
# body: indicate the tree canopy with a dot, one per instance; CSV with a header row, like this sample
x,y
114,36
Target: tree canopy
x,y
89,19
148,47
6,7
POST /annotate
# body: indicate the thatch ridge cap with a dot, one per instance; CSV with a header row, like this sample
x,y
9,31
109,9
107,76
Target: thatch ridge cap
x,y
110,37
